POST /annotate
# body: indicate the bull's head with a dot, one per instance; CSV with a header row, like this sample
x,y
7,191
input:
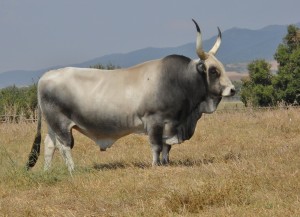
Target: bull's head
x,y
218,84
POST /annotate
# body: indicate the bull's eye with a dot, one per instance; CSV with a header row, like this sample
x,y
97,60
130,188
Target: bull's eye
x,y
213,71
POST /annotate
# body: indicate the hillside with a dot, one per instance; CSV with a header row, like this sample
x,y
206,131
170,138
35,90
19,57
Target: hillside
x,y
238,46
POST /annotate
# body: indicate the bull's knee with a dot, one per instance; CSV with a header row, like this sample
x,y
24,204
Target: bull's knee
x,y
157,148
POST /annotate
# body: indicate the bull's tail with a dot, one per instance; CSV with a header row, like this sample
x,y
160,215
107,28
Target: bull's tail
x,y
35,149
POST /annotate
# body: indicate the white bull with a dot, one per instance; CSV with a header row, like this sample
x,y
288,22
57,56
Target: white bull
x,y
162,98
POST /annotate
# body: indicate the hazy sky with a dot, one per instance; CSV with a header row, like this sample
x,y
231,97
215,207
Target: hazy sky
x,y
37,33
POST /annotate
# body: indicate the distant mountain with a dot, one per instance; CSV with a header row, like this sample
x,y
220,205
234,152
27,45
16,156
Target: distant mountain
x,y
238,46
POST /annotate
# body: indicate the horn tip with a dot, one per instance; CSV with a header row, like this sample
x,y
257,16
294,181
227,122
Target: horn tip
x,y
197,26
220,33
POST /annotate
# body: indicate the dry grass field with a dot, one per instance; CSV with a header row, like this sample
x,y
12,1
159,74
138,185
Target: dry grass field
x,y
238,163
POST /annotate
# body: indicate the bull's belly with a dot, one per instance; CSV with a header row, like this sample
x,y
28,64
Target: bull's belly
x,y
105,143
106,135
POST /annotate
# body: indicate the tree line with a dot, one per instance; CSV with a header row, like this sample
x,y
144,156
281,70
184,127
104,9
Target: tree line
x,y
262,88
15,101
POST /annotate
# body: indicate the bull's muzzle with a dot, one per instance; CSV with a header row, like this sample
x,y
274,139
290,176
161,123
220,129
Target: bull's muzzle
x,y
229,91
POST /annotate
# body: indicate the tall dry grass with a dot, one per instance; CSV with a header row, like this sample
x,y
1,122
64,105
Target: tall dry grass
x,y
237,164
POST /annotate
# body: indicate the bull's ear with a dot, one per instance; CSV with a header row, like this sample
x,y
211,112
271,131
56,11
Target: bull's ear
x,y
201,68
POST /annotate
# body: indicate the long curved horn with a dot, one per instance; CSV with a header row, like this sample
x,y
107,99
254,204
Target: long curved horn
x,y
216,46
200,52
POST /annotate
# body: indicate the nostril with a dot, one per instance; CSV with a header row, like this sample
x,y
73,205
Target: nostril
x,y
232,92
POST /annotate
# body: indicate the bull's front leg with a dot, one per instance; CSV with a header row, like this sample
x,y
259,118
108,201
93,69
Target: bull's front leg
x,y
155,136
165,154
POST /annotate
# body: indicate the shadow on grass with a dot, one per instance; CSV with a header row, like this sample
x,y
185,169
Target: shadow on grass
x,y
121,165
185,162
145,165
110,166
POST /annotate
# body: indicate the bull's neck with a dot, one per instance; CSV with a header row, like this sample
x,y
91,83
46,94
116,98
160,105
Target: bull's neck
x,y
209,105
194,89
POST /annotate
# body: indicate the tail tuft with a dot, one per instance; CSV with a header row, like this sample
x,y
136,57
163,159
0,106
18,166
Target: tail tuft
x,y
35,152
35,149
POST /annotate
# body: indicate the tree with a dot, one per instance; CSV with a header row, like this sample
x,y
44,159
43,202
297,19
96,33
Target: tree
x,y
257,90
31,96
14,100
262,88
287,81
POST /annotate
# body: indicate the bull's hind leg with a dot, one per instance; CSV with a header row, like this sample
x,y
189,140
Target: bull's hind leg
x,y
65,151
50,146
165,154
61,128
64,143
